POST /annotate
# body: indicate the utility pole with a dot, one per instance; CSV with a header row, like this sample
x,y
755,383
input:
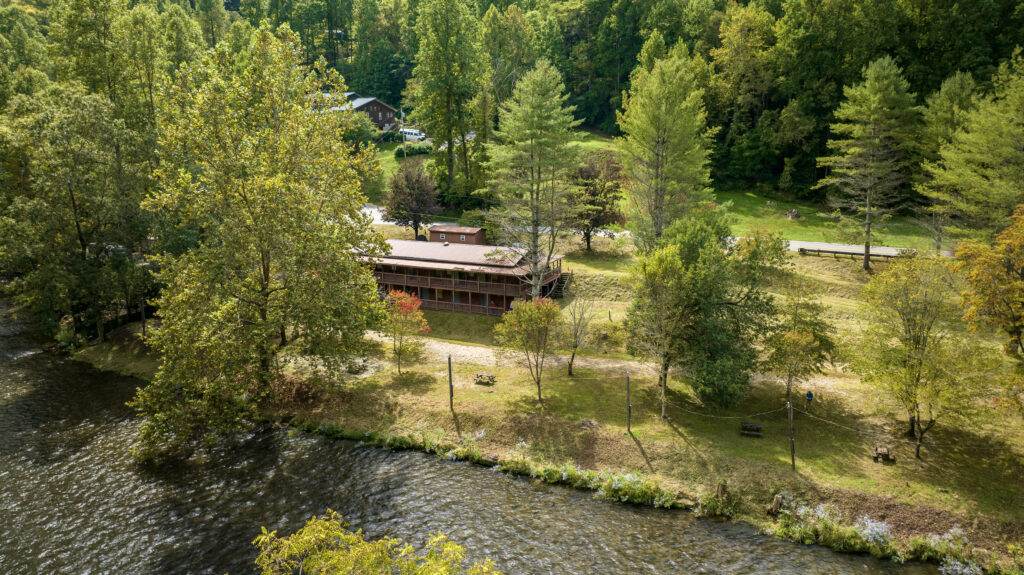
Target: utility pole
x,y
792,440
451,388
629,408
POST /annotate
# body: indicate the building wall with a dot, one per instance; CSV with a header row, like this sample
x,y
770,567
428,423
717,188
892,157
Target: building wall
x,y
479,238
379,114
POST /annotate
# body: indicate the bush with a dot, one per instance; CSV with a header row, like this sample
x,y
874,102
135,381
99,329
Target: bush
x,y
388,137
824,525
712,505
411,149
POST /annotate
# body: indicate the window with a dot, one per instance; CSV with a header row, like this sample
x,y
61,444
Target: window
x,y
442,236
462,238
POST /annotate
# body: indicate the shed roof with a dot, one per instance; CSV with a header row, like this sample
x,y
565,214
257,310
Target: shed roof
x,y
454,229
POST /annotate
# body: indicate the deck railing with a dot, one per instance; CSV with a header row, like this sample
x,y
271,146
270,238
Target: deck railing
x,y
461,307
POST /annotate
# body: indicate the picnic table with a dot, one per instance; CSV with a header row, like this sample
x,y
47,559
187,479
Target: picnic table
x,y
882,454
482,378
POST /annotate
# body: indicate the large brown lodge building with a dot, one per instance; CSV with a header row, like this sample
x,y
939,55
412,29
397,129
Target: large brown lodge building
x,y
457,271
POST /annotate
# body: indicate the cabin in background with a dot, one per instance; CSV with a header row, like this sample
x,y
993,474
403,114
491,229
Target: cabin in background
x,y
458,235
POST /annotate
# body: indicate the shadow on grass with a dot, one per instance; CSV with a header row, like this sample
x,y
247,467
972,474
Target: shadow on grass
x,y
640,447
413,382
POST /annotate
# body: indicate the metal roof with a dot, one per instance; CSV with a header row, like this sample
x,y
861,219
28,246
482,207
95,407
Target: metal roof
x,y
454,229
460,257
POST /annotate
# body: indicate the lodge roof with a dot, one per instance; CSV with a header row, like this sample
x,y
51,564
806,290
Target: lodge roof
x,y
454,229
459,257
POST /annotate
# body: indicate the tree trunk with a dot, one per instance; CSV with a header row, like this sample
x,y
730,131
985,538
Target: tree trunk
x,y
663,380
284,336
789,386
571,359
912,431
586,237
867,237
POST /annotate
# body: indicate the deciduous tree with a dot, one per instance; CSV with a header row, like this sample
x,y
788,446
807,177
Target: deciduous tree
x,y
530,330
411,197
449,68
995,292
803,342
910,349
260,167
325,545
404,321
580,314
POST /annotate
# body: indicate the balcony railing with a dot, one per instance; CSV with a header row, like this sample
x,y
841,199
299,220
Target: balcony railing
x,y
461,307
518,289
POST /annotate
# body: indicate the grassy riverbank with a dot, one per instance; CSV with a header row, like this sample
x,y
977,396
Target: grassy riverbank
x,y
968,478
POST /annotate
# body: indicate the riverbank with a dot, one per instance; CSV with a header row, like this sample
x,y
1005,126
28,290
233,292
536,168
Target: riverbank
x,y
581,426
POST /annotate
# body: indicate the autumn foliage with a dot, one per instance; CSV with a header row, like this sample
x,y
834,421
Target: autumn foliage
x,y
404,321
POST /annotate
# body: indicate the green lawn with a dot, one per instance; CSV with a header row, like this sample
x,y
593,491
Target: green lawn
x,y
753,212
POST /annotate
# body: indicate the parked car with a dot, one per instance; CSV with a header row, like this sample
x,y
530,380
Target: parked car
x,y
411,134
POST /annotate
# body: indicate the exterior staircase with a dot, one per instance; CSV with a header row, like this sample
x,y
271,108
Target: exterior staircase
x,y
561,285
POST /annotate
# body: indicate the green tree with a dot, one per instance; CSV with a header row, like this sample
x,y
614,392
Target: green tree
x,y
325,545
655,321
664,146
995,292
511,48
978,174
66,216
403,322
213,20
596,196
944,115
910,349
531,165
447,76
699,304
259,166
411,197
870,150
803,342
531,330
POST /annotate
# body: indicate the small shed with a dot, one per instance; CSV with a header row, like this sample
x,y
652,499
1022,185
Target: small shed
x,y
458,235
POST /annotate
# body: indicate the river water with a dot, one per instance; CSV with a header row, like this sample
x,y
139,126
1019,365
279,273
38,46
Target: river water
x,y
73,501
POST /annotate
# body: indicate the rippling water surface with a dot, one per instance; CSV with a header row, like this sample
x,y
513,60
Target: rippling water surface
x,y
72,500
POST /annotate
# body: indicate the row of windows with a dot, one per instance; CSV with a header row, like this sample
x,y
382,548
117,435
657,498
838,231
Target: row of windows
x,y
462,237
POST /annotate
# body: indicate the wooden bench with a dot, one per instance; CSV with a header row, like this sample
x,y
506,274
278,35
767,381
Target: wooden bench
x,y
751,429
882,454
482,378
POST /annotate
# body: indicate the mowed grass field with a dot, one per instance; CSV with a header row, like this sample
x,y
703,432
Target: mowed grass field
x,y
752,211
969,474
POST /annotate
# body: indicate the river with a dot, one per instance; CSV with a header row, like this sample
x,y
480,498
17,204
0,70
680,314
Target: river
x,y
73,501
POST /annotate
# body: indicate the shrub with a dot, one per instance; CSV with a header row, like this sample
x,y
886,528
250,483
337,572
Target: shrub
x,y
952,545
713,505
410,149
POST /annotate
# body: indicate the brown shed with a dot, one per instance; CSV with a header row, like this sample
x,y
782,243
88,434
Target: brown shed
x,y
458,235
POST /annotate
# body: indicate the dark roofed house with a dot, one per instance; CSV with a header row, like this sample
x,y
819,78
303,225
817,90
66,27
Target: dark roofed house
x,y
466,278
379,113
458,235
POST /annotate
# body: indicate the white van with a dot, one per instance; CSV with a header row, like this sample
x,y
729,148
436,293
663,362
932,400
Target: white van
x,y
411,134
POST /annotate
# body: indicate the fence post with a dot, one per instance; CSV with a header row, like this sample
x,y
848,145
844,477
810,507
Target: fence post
x,y
451,387
792,440
629,408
